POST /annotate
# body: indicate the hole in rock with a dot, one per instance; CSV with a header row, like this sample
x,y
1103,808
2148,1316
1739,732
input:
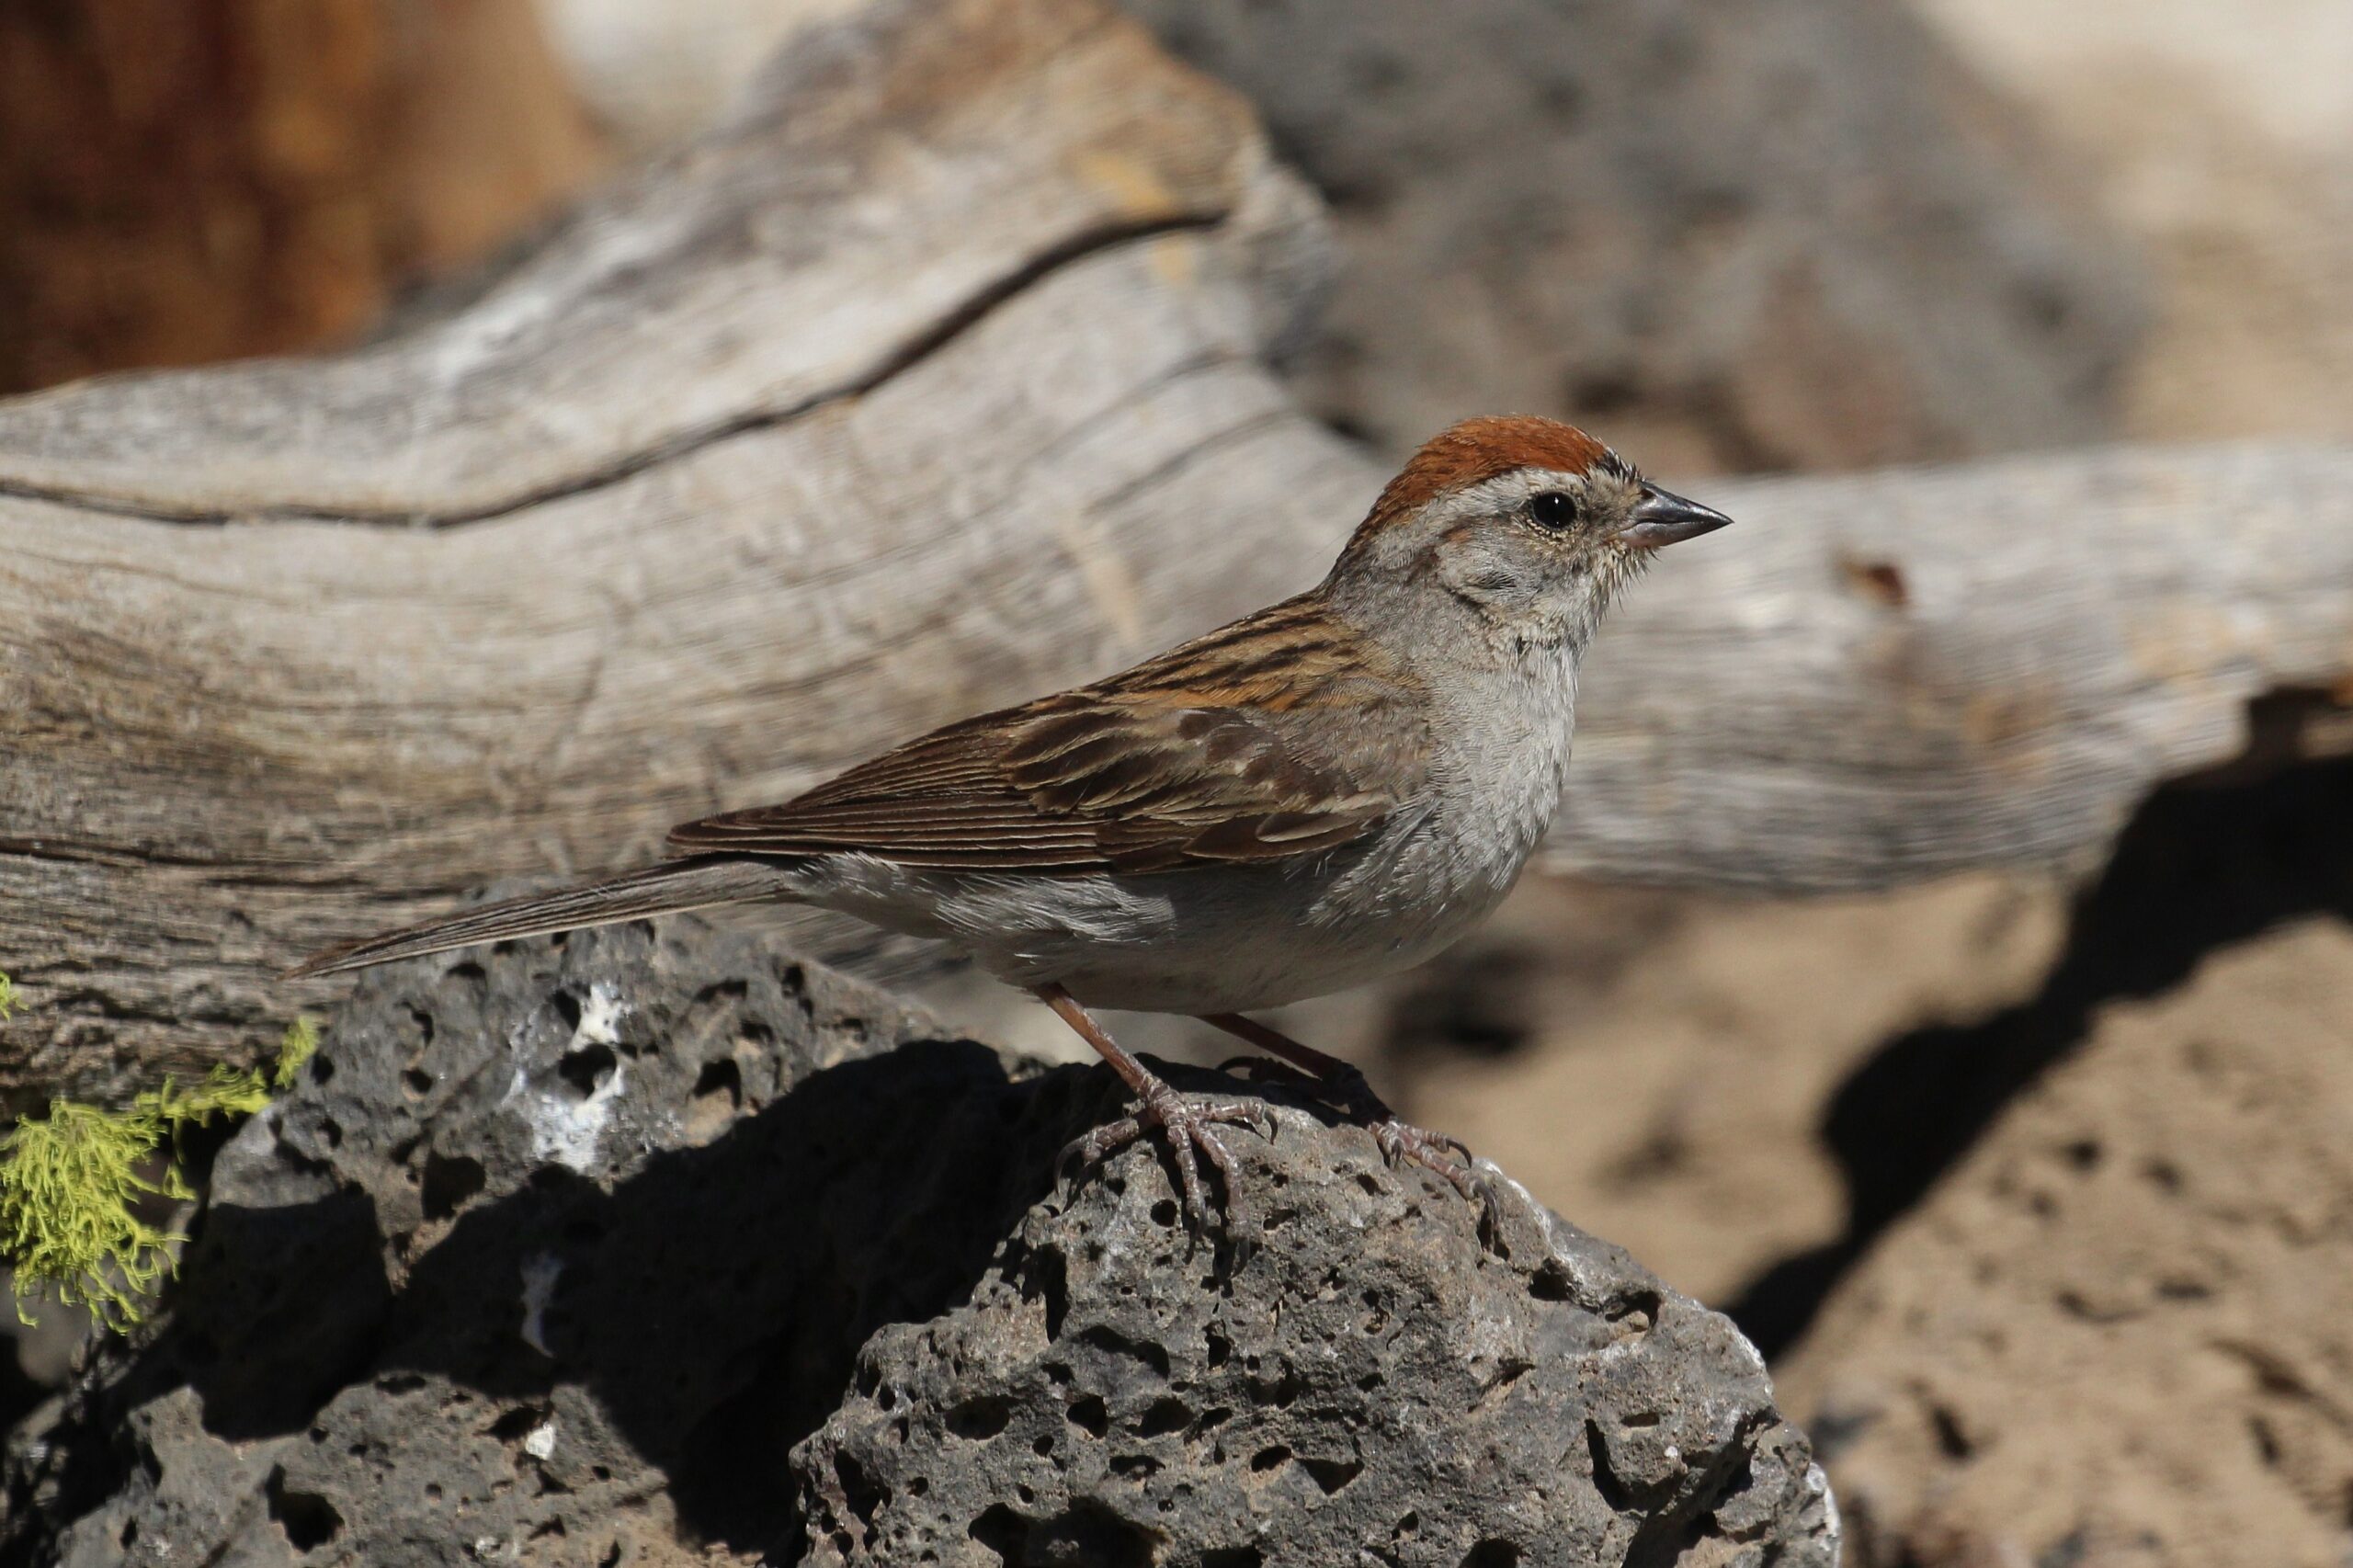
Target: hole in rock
x,y
720,1077
587,1069
449,1180
1165,1416
308,1520
1331,1474
980,1418
1003,1531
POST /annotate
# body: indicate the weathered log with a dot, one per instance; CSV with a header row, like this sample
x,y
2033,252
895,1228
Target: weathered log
x,y
1892,675
929,384
933,381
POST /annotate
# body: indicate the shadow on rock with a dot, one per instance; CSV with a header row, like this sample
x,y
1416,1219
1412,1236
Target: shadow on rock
x,y
649,1245
712,1304
424,1260
2200,866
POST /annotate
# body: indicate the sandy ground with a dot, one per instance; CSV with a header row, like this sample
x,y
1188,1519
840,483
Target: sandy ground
x,y
2115,1333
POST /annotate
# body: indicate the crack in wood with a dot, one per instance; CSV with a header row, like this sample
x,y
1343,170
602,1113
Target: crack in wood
x,y
951,325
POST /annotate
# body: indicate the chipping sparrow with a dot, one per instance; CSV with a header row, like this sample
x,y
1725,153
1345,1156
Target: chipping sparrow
x,y
1325,791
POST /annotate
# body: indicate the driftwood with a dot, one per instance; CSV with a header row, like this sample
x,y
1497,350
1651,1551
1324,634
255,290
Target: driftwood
x,y
933,381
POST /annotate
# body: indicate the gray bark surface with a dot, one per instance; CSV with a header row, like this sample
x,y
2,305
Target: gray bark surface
x,y
933,381
657,1248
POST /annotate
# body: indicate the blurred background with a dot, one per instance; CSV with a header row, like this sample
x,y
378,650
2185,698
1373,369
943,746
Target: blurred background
x,y
2033,1187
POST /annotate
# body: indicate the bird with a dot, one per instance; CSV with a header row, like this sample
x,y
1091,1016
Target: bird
x,y
1323,793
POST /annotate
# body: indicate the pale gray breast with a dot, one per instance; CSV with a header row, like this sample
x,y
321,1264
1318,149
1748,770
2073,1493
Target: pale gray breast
x,y
1502,762
1498,771
1244,938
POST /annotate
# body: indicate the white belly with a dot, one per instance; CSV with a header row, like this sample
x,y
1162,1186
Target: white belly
x,y
1234,939
1214,941
1217,939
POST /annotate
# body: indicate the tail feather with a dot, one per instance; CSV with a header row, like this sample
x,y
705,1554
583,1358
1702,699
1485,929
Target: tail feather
x,y
696,883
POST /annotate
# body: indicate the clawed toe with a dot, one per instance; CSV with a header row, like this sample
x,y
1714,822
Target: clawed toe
x,y
1343,1086
1344,1090
1187,1130
1096,1147
1447,1157
1188,1127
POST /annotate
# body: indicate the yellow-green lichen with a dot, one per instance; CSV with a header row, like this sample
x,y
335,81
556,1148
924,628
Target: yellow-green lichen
x,y
71,1183
300,1043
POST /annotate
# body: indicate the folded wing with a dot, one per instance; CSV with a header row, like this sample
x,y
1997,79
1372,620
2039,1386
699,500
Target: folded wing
x,y
1280,735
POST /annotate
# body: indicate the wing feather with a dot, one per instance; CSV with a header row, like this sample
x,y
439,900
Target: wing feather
x,y
1222,751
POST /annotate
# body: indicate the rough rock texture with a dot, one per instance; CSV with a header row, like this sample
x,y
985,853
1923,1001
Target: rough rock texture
x,y
1791,233
2117,1337
1367,1386
565,1254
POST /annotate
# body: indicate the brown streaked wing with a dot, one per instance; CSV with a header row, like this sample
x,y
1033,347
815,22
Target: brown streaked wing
x,y
1225,750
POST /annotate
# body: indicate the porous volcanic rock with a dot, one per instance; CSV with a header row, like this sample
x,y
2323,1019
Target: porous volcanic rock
x,y
657,1246
1366,1385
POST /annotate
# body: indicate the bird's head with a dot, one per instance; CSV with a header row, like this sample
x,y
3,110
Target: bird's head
x,y
1526,524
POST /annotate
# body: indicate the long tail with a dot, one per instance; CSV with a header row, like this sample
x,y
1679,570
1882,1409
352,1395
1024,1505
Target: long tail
x,y
696,883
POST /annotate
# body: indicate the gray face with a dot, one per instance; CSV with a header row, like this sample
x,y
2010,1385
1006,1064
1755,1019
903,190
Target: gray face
x,y
1537,550
1524,560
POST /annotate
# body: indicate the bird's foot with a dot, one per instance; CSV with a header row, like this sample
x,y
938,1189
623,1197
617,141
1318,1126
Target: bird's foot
x,y
1346,1089
1187,1130
1400,1141
1445,1157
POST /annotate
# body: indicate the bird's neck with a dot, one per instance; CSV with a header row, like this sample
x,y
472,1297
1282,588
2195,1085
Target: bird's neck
x,y
1448,640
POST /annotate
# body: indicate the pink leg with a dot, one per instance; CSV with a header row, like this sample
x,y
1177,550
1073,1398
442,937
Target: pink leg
x,y
1398,1140
1185,1126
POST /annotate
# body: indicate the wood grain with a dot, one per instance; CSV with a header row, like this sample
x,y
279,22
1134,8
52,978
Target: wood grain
x,y
932,382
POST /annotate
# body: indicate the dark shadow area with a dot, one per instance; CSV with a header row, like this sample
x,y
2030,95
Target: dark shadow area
x,y
18,1393
712,1302
1476,1003
2201,865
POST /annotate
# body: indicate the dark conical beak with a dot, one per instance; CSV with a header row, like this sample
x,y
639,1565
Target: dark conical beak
x,y
1664,518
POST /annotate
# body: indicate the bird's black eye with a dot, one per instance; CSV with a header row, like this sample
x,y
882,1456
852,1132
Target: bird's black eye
x,y
1554,509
